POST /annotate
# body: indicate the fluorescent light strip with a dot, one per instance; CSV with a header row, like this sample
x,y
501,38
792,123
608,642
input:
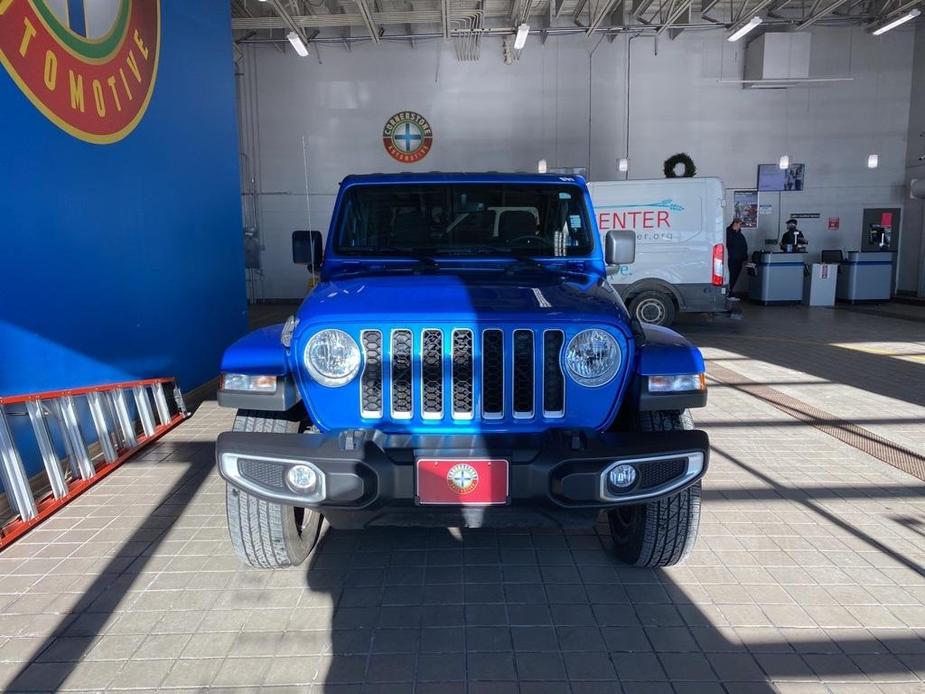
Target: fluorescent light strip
x,y
521,39
896,22
297,43
744,29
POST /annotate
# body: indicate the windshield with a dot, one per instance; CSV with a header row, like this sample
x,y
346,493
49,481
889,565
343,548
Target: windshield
x,y
540,220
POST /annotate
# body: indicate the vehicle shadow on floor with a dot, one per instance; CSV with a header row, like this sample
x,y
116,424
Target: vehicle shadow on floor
x,y
548,611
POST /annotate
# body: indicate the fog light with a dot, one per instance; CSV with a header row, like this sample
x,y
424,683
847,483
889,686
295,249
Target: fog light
x,y
302,479
622,477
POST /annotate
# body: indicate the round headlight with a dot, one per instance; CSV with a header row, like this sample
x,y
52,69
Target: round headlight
x,y
592,357
332,357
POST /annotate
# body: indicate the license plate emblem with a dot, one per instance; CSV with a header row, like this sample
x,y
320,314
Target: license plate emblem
x,y
467,482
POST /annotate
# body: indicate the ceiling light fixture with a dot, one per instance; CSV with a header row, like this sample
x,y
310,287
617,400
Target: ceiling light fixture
x,y
521,39
912,14
297,43
873,161
744,29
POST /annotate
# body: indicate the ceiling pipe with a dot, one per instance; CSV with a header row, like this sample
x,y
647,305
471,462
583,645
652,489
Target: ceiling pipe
x,y
556,31
829,9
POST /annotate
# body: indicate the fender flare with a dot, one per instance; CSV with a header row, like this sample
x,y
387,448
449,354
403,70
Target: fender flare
x,y
666,352
260,353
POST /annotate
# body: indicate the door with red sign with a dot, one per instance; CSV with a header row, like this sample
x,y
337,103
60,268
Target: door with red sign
x,y
888,218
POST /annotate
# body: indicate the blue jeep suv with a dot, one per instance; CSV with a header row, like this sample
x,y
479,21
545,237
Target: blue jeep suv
x,y
463,362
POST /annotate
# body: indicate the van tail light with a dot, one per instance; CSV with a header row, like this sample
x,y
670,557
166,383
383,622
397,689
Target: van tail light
x,y
719,252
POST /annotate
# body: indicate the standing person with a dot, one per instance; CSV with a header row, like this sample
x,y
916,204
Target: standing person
x,y
793,237
736,251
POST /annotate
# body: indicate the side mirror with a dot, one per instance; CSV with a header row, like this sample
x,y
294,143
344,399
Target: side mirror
x,y
620,247
307,248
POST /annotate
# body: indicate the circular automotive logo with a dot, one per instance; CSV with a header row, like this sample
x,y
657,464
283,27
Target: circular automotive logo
x,y
462,478
407,136
88,65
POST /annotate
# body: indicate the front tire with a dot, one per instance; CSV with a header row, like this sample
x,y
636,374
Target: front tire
x,y
264,534
653,308
661,532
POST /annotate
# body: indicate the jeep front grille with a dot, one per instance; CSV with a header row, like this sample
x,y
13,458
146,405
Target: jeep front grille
x,y
432,374
553,379
462,374
402,386
493,374
371,380
523,374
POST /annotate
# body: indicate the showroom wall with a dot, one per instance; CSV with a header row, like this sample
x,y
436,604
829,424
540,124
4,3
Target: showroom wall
x,y
912,256
124,260
561,104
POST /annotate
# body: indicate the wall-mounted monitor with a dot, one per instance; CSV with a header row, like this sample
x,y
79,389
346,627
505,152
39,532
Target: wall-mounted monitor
x,y
773,178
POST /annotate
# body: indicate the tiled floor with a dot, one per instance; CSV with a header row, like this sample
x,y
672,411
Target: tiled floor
x,y
808,575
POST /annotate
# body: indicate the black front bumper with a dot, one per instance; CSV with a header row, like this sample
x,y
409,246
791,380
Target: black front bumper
x,y
369,477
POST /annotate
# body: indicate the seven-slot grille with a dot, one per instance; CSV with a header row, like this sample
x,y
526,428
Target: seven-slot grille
x,y
462,374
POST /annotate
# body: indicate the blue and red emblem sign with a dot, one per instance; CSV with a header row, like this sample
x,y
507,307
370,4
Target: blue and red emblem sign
x,y
88,65
407,137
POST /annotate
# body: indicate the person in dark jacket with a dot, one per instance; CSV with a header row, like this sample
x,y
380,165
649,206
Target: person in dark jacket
x,y
793,238
736,251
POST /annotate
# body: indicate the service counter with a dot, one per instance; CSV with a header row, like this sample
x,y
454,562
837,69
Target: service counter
x,y
776,278
865,276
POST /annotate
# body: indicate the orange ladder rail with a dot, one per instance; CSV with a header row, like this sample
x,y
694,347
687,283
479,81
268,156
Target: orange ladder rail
x,y
126,417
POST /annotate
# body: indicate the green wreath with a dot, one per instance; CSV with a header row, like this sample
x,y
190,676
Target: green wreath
x,y
671,162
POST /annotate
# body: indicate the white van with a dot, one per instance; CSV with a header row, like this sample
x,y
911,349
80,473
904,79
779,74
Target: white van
x,y
680,244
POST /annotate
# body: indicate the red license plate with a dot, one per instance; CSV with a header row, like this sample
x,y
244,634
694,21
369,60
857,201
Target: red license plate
x,y
462,481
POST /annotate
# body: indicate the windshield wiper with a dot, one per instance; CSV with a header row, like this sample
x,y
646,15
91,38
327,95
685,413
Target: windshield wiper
x,y
388,251
418,255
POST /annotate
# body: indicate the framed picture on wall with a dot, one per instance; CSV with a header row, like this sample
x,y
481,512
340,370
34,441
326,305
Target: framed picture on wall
x,y
745,205
793,177
772,178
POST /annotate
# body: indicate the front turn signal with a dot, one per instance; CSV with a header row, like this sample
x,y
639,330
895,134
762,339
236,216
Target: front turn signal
x,y
682,383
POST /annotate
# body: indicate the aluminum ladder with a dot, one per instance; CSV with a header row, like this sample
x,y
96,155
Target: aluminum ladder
x,y
120,418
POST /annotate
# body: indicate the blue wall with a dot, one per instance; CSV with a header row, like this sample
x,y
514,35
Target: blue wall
x,y
125,260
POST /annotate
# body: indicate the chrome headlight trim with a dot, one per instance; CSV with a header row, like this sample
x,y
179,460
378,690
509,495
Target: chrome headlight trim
x,y
598,377
325,374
